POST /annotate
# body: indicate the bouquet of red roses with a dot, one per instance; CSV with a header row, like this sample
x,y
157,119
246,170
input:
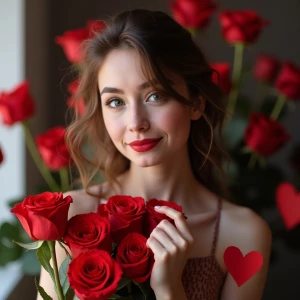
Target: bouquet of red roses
x,y
107,257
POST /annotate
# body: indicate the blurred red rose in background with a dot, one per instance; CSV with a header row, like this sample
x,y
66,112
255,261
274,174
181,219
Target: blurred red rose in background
x,y
193,13
241,26
266,68
72,89
16,105
222,77
288,81
72,40
53,148
265,135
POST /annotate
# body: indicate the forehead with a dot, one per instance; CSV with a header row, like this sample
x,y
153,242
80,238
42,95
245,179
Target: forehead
x,y
122,68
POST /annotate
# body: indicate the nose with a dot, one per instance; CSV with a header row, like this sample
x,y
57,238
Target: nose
x,y
138,120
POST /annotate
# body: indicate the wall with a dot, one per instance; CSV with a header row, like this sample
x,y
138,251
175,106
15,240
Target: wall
x,y
12,171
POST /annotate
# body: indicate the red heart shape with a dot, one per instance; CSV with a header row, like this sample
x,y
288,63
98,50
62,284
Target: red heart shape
x,y
240,267
288,204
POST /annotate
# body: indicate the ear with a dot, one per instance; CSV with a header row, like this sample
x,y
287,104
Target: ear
x,y
196,113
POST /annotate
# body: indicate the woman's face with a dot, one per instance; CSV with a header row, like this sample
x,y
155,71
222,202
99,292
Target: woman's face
x,y
132,110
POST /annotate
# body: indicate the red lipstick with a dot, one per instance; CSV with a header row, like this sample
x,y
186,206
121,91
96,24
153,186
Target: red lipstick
x,y
144,145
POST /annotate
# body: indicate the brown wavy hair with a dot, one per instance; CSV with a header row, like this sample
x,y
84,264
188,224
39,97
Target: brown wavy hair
x,y
162,44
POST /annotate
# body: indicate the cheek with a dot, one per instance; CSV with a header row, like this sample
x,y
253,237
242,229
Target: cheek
x,y
174,120
113,126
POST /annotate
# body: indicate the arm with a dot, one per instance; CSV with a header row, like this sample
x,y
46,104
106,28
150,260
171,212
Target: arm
x,y
45,280
254,235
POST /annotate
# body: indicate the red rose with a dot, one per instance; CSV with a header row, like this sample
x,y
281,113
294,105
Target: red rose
x,y
88,231
193,13
265,135
16,105
53,148
241,26
288,81
1,156
94,275
222,77
135,258
72,88
71,40
153,218
44,216
125,214
266,68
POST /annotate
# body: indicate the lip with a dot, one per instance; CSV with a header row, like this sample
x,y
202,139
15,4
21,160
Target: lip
x,y
143,146
144,142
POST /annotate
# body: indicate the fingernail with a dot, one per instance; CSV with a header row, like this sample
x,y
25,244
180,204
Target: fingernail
x,y
157,207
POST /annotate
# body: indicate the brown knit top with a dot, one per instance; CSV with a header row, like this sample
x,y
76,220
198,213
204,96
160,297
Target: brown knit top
x,y
202,277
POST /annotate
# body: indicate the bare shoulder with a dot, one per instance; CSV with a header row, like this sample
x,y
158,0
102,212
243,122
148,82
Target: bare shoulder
x,y
83,202
244,228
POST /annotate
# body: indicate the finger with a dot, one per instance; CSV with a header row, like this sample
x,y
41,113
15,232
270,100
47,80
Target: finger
x,y
179,221
157,248
164,239
173,234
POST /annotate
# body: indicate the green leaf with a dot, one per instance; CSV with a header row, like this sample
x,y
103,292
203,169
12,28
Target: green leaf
x,y
10,231
123,282
44,256
144,287
9,253
75,298
31,246
41,291
63,276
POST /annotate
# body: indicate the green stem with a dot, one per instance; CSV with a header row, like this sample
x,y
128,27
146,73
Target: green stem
x,y
236,78
60,294
252,160
129,288
38,160
278,106
64,179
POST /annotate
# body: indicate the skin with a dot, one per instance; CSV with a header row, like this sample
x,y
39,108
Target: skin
x,y
139,114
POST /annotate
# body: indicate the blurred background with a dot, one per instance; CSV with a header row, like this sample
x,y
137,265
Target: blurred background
x,y
28,51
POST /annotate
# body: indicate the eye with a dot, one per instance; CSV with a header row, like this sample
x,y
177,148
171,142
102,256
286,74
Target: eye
x,y
116,102
156,97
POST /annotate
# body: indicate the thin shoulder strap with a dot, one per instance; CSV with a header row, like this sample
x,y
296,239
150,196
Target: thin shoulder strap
x,y
216,231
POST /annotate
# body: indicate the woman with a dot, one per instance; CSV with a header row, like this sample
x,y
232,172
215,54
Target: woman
x,y
151,121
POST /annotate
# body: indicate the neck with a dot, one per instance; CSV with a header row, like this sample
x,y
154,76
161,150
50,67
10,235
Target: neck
x,y
171,181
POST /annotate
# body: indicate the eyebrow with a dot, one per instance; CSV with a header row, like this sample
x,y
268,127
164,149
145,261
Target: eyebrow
x,y
140,87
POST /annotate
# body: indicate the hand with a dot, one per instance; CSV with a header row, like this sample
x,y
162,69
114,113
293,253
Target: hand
x,y
170,245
